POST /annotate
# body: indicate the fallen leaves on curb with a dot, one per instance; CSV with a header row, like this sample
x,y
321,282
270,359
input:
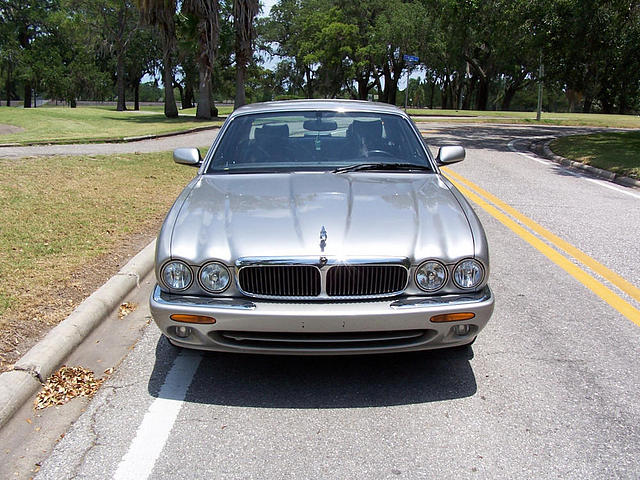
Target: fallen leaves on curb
x,y
125,309
66,384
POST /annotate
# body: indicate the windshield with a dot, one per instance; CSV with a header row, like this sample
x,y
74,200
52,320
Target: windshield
x,y
318,140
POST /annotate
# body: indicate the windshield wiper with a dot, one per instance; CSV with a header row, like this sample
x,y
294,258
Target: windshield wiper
x,y
382,166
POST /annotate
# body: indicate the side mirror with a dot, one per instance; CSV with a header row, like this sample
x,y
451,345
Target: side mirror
x,y
449,155
187,156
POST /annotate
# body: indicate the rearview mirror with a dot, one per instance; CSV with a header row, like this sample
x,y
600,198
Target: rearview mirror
x,y
187,156
319,125
449,155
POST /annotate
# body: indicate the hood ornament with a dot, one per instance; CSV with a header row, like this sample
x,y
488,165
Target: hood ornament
x,y
323,238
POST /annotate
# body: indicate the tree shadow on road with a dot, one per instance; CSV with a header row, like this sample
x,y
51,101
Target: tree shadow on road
x,y
322,381
490,137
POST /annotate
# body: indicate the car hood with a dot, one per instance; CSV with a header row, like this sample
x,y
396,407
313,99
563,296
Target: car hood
x,y
368,214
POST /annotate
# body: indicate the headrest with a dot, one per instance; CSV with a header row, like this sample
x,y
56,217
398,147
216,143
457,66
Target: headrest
x,y
272,131
369,130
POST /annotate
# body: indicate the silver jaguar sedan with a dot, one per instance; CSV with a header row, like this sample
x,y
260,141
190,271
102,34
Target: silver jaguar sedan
x,y
321,227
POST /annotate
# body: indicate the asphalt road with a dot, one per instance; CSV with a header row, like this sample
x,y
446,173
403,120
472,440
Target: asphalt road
x,y
550,389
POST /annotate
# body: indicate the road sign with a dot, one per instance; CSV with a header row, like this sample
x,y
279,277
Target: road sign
x,y
410,58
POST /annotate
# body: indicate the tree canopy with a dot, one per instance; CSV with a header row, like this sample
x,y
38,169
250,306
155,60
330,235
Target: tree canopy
x,y
474,54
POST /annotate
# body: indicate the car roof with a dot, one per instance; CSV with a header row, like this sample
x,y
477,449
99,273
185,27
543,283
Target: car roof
x,y
318,104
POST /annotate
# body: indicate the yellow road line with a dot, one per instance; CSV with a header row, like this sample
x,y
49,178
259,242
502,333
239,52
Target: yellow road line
x,y
579,255
576,272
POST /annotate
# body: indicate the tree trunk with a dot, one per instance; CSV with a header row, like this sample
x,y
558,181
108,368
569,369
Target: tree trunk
x,y
390,85
204,95
189,96
27,95
363,88
214,109
73,103
483,93
8,86
241,73
444,97
120,87
178,85
170,108
588,102
433,91
136,96
508,96
309,89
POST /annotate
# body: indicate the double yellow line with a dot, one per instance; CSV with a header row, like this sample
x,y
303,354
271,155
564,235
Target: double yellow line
x,y
507,216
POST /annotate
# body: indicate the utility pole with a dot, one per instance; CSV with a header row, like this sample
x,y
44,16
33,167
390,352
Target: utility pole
x,y
411,61
540,75
406,90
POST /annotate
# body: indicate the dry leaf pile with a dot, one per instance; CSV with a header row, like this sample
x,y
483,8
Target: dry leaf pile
x,y
125,309
65,384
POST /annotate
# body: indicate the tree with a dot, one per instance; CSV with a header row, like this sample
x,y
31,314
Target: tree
x,y
66,58
117,21
207,34
23,23
161,13
244,13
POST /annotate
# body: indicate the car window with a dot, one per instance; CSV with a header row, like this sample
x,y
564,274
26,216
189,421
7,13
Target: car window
x,y
317,140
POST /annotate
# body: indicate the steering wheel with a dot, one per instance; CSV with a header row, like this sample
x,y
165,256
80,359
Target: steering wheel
x,y
379,152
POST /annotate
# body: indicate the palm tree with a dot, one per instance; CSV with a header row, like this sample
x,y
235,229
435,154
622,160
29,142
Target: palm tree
x,y
244,12
161,13
207,33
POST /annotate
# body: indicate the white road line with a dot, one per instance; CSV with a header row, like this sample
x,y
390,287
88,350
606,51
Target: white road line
x,y
602,183
158,422
605,184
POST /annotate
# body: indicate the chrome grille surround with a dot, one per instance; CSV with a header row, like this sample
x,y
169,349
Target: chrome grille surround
x,y
322,278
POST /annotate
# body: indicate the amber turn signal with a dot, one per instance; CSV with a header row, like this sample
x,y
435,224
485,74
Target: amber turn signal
x,y
453,317
178,317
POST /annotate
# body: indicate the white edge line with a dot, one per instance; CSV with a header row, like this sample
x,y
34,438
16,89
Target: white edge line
x,y
153,432
602,183
605,184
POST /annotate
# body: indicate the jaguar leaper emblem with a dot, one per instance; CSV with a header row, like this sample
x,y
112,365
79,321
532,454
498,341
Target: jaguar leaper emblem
x,y
323,238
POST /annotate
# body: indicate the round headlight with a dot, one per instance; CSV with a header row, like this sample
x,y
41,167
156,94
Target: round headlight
x,y
431,276
468,274
214,277
177,275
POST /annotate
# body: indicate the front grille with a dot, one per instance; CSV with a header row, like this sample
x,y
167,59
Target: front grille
x,y
280,280
365,280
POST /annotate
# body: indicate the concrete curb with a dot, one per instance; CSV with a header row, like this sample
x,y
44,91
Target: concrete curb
x,y
33,369
598,172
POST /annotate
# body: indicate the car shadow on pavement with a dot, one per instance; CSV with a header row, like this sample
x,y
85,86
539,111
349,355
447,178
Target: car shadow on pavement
x,y
322,381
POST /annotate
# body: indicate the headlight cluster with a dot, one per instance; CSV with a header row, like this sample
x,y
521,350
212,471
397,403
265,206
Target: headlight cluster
x,y
432,275
214,277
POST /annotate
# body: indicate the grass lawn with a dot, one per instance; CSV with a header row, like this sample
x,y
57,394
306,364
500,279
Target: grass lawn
x,y
617,152
87,124
223,110
63,221
575,119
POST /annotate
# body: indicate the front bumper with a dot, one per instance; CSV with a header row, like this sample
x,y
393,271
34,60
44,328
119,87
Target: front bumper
x,y
315,328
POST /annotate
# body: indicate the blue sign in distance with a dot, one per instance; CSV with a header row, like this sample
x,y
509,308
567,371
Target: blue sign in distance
x,y
410,58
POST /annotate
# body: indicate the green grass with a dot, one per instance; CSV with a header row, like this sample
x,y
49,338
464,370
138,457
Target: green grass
x,y
222,109
87,124
548,118
58,213
618,152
